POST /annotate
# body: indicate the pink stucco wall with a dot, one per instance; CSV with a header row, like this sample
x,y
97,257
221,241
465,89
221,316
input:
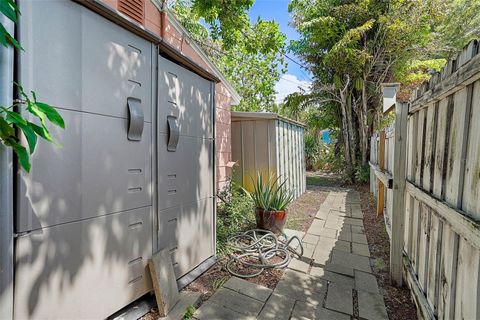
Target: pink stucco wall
x,y
223,98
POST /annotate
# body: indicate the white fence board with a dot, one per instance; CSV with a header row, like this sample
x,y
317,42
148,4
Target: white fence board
x,y
442,199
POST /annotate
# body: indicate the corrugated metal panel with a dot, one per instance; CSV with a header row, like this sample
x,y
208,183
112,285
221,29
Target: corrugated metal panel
x,y
237,150
269,145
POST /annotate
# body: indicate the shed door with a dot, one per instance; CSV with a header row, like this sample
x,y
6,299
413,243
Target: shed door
x,y
185,151
84,212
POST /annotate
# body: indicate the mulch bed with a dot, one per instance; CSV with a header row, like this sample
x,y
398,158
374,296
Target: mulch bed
x,y
303,210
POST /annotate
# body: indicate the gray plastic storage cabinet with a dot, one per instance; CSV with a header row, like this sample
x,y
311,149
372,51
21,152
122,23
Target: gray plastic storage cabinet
x,y
87,213
185,166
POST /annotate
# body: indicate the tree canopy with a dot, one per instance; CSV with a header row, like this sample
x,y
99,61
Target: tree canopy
x,y
351,47
250,54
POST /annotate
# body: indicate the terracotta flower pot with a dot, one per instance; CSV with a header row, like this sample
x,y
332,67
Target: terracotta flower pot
x,y
270,220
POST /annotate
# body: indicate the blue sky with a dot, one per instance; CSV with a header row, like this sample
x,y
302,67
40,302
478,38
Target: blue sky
x,y
278,10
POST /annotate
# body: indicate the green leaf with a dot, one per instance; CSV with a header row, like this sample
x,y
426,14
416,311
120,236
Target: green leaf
x,y
5,129
42,132
51,113
30,135
33,109
22,154
6,39
9,9
14,117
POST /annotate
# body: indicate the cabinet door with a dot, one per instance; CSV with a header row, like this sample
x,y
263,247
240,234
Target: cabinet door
x,y
185,164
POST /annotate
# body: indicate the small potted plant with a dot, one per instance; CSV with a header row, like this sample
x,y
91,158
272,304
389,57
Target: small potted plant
x,y
271,199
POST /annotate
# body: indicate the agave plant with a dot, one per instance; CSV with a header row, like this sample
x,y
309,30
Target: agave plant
x,y
270,194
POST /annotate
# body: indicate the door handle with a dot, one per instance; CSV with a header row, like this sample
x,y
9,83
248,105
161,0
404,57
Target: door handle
x,y
173,133
135,119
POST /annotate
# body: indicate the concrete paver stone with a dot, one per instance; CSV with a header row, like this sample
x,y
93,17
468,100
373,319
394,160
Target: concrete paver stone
x,y
340,268
360,249
308,250
249,289
317,229
351,260
302,264
339,298
371,306
237,302
358,229
334,277
303,310
317,286
359,238
212,311
277,308
354,221
322,213
366,282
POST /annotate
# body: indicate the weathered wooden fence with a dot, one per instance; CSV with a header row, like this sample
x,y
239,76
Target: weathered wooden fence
x,y
381,173
438,218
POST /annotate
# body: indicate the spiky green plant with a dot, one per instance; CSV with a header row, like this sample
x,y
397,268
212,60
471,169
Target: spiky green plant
x,y
270,193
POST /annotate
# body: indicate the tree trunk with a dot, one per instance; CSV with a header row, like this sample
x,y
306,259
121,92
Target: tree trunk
x,y
345,132
365,128
351,131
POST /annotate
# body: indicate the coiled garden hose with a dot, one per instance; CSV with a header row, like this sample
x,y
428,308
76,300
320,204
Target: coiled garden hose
x,y
254,249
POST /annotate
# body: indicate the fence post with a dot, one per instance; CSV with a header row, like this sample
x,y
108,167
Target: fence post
x,y
398,212
381,164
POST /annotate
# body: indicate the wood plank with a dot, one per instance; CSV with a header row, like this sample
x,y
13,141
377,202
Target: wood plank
x,y
412,146
448,272
164,281
385,177
428,148
434,261
381,164
467,294
417,294
465,75
457,219
408,223
398,199
455,148
471,190
419,147
415,234
440,148
424,237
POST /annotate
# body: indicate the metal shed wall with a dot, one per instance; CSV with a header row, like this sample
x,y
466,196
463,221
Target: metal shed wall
x,y
268,143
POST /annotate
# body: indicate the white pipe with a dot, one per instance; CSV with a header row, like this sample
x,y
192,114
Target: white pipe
x,y
6,184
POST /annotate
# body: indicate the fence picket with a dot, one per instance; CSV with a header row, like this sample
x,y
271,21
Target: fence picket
x,y
439,218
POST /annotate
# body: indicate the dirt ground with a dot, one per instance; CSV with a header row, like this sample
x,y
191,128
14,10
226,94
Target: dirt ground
x,y
301,214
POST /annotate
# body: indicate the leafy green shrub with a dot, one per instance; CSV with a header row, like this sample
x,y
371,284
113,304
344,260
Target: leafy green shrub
x,y
234,214
321,156
362,174
312,152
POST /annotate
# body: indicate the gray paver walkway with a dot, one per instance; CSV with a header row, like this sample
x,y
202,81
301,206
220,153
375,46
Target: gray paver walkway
x,y
333,280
